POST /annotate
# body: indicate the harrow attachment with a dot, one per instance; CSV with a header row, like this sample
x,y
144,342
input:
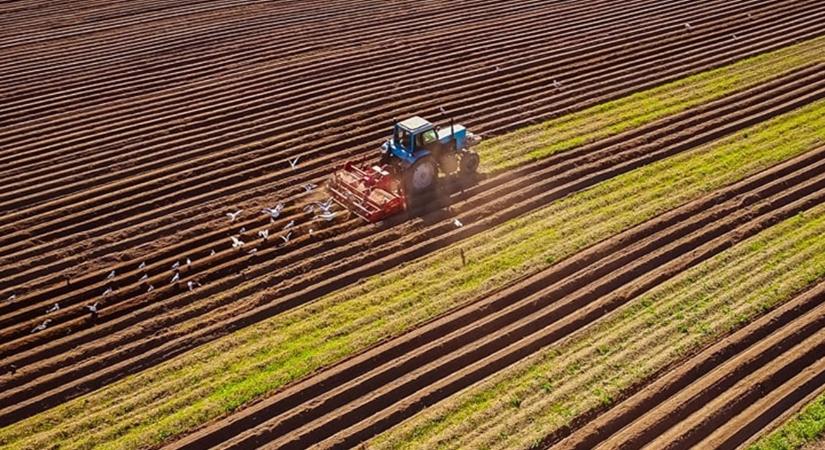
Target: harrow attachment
x,y
371,192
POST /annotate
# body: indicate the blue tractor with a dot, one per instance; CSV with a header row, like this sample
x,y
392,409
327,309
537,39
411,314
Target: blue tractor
x,y
409,166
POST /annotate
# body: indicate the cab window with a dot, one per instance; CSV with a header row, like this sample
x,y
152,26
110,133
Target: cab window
x,y
426,138
402,138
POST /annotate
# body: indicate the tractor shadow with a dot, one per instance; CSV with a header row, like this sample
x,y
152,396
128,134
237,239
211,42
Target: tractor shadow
x,y
434,206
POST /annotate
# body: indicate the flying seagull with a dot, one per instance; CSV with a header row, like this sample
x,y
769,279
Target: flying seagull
x,y
93,309
253,251
242,230
688,26
274,212
150,289
234,216
142,265
309,208
175,278
289,225
556,84
111,275
264,234
54,308
457,223
328,216
294,162
188,262
286,237
309,187
11,297
192,285
325,206
42,326
176,265
144,277
236,243
107,292
212,252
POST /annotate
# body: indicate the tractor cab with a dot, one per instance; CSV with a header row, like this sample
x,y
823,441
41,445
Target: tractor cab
x,y
412,139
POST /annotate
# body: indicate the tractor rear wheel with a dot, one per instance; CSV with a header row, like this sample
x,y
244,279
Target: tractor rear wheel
x,y
421,176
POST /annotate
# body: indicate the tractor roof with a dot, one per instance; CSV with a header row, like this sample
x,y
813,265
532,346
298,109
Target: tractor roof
x,y
415,123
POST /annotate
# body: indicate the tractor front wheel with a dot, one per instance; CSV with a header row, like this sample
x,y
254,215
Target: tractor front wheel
x,y
469,163
421,175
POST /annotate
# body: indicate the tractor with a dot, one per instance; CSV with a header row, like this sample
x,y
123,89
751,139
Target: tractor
x,y
408,169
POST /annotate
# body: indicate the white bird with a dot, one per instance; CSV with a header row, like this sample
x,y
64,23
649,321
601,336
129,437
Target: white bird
x,y
441,108
294,162
111,275
192,285
150,289
188,262
175,278
309,208
93,308
735,37
234,216
498,68
54,308
144,277
457,223
142,265
253,251
309,187
274,212
236,243
107,292
688,26
212,252
176,265
326,206
289,225
11,297
286,237
42,326
556,84
264,234
328,216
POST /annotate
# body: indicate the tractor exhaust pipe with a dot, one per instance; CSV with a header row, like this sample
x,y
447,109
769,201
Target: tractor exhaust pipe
x,y
452,126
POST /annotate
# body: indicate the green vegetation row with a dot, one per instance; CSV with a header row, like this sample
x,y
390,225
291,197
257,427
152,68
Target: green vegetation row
x,y
626,113
519,406
216,379
804,428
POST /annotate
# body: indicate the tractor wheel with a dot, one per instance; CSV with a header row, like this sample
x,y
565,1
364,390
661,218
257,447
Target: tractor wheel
x,y
469,163
421,175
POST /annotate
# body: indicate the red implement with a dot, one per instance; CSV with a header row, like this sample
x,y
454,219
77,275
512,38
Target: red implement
x,y
371,192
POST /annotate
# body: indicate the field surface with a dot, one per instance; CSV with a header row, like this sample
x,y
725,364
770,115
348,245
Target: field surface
x,y
641,261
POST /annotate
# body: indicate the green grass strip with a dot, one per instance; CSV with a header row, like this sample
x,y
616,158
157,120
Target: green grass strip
x,y
614,117
802,429
517,407
175,397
